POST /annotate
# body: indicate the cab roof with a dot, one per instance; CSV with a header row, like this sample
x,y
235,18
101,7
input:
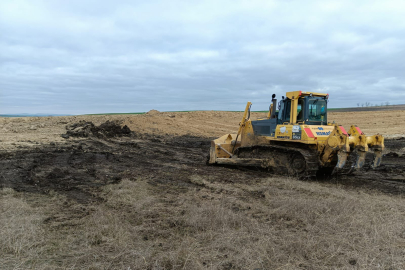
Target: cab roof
x,y
297,94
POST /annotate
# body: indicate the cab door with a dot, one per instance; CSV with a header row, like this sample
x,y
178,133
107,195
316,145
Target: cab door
x,y
284,112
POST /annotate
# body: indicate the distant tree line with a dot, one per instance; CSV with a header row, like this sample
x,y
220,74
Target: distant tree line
x,y
368,104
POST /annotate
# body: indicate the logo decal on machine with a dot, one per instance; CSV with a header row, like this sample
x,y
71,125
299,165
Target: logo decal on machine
x,y
323,133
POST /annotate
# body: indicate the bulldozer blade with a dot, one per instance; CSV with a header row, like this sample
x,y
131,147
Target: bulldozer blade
x,y
361,159
377,159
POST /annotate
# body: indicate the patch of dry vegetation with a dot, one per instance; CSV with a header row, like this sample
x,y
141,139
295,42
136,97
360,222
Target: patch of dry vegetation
x,y
276,223
22,235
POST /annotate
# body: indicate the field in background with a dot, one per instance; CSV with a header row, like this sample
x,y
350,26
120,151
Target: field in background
x,y
150,202
352,109
370,108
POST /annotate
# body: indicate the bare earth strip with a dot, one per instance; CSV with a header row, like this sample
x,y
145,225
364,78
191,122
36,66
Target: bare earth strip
x,y
26,131
148,201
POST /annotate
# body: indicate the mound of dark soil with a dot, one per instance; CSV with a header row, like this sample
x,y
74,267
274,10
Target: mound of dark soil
x,y
111,129
80,129
108,129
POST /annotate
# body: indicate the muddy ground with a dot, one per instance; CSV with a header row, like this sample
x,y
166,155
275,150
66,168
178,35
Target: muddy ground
x,y
77,167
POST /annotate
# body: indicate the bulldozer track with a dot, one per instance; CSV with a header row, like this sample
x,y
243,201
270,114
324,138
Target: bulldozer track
x,y
283,160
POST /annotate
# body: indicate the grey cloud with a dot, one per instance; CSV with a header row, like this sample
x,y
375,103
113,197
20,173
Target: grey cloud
x,y
102,56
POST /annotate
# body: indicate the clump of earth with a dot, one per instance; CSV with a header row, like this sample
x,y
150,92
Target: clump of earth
x,y
153,112
108,129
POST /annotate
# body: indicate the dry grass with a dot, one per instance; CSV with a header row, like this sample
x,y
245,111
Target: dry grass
x,y
22,236
274,224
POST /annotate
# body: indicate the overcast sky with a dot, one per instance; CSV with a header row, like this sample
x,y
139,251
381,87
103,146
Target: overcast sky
x,y
85,56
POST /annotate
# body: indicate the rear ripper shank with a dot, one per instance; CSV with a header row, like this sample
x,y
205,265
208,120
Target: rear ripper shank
x,y
297,139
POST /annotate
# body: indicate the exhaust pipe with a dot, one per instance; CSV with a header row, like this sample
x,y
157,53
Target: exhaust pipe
x,y
274,100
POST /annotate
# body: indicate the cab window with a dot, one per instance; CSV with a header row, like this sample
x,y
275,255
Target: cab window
x,y
300,112
281,112
287,108
317,110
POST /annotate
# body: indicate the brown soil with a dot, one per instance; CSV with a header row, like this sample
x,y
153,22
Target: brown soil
x,y
167,152
388,123
17,133
77,167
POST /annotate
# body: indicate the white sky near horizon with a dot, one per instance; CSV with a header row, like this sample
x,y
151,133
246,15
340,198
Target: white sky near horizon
x,y
78,57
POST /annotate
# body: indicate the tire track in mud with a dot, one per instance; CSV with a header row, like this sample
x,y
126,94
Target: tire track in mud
x,y
78,168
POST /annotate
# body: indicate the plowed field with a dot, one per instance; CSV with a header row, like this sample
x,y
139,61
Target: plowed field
x,y
147,200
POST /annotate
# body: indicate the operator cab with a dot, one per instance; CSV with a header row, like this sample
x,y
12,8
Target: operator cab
x,y
310,110
297,108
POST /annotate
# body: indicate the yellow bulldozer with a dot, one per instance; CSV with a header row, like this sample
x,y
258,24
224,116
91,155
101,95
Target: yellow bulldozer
x,y
297,139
